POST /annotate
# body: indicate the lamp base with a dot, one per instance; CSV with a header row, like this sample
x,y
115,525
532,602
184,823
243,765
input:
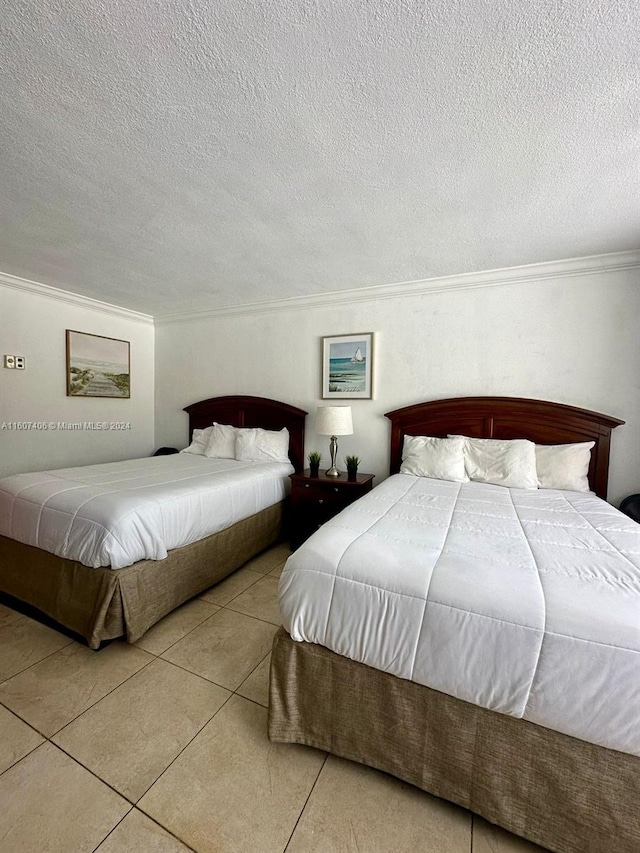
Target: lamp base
x,y
333,450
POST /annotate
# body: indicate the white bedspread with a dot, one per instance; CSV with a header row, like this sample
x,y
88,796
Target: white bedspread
x,y
523,602
120,512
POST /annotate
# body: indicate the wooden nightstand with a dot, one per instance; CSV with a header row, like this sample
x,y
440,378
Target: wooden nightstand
x,y
315,500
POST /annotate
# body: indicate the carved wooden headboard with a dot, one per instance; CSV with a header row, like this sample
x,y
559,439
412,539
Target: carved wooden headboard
x,y
508,417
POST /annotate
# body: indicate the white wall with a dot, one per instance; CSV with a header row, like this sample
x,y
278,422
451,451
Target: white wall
x,y
32,324
574,339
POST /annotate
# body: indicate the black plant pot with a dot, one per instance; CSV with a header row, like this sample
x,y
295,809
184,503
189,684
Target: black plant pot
x,y
352,476
313,469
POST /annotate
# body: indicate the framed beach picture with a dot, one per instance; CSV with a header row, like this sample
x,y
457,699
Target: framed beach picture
x,y
347,367
97,366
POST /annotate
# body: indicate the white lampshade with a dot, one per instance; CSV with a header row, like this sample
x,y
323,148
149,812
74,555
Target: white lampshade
x,y
334,420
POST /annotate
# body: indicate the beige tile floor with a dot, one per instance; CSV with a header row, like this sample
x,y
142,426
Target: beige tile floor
x,y
161,747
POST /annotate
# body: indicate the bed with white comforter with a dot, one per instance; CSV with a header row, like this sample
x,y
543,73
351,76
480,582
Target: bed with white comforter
x,y
118,513
107,550
478,641
520,601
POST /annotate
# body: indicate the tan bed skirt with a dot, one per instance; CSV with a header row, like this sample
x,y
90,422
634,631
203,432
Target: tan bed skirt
x,y
562,793
100,604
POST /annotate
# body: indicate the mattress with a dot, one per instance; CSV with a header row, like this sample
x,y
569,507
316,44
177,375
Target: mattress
x,y
522,602
117,513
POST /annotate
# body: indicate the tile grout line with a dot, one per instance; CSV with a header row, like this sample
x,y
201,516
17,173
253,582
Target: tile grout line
x,y
146,651
240,613
72,641
190,631
141,809
154,657
251,585
210,680
80,713
135,809
175,758
113,829
46,657
196,674
117,687
89,770
94,773
206,601
302,810
232,691
133,803
249,676
233,597
18,760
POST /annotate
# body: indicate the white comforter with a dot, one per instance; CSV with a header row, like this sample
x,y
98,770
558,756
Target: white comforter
x,y
523,602
120,512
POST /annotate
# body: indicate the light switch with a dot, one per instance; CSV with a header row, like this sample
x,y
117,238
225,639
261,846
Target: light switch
x,y
18,362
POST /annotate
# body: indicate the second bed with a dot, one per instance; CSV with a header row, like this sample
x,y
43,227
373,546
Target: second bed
x,y
479,641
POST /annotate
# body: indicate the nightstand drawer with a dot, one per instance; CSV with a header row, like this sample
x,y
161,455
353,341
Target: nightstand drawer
x,y
315,500
320,493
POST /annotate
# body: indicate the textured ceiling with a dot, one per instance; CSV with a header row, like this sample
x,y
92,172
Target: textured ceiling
x,y
172,155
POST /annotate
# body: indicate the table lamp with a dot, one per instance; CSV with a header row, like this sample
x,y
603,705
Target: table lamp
x,y
334,421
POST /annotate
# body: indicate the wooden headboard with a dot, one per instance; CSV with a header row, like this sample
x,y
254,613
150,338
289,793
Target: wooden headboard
x,y
252,412
508,417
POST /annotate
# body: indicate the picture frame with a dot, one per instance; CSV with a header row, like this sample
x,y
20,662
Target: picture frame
x,y
347,367
97,366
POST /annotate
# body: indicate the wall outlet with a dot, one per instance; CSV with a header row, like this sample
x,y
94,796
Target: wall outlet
x,y
15,362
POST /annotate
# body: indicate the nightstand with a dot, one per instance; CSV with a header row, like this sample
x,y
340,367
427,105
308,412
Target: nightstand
x,y
315,500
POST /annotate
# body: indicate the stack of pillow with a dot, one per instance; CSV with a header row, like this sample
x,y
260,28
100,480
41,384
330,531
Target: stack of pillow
x,y
517,463
222,441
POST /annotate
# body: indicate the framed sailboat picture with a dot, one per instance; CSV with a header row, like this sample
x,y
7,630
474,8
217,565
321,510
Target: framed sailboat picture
x,y
347,367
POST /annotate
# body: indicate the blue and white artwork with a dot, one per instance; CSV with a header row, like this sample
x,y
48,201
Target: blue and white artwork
x,y
347,366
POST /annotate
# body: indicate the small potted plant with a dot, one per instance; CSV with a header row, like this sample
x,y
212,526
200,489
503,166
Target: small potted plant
x,y
352,463
314,463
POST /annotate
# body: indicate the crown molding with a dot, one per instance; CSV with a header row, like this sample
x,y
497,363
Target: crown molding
x,y
528,274
75,299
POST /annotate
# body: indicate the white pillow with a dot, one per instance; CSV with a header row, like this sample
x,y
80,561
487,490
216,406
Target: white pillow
x,y
262,445
222,442
199,441
501,462
439,458
564,466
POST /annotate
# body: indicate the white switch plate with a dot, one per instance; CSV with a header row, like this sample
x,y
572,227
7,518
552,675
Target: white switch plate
x,y
17,362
